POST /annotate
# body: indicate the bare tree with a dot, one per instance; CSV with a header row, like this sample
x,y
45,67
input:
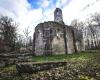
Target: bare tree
x,y
8,31
74,23
96,19
94,26
77,24
26,33
19,42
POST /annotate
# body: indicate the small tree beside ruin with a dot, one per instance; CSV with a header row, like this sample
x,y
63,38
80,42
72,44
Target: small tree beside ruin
x,y
8,32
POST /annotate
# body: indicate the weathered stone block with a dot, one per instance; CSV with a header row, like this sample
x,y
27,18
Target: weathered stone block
x,y
37,66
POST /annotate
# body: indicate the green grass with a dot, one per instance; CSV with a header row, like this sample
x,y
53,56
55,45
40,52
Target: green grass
x,y
69,57
80,66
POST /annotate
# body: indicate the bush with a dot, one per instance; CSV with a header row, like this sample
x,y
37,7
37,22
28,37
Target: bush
x,y
2,50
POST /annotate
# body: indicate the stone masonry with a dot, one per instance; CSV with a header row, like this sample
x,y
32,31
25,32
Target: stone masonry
x,y
55,38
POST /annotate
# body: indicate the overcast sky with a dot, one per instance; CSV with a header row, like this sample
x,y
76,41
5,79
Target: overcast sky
x,y
32,12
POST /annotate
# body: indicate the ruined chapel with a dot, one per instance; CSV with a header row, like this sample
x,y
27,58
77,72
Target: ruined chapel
x,y
55,38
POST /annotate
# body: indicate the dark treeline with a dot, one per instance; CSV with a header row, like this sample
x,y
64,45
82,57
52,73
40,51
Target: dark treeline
x,y
8,34
10,39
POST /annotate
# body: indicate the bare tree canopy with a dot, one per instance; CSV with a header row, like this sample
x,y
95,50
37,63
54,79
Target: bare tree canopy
x,y
90,29
95,19
8,31
26,32
77,24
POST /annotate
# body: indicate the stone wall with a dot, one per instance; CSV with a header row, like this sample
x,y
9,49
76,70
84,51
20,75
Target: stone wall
x,y
7,59
70,42
53,38
37,66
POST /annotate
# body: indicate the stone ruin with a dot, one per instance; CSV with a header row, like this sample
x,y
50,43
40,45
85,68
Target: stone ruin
x,y
55,38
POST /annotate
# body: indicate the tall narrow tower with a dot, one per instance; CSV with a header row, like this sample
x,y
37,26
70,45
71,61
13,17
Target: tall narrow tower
x,y
58,15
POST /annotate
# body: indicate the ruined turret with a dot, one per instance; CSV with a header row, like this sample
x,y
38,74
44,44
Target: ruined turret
x,y
58,16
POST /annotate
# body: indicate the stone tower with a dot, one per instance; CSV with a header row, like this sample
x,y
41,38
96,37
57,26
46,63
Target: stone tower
x,y
58,15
